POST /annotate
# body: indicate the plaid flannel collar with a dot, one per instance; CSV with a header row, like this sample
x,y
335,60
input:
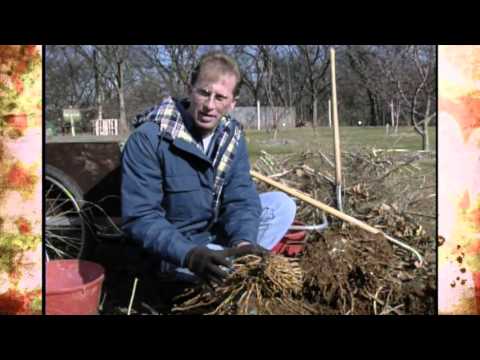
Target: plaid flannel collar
x,y
176,123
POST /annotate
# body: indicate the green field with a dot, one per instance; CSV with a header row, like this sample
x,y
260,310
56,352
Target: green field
x,y
302,139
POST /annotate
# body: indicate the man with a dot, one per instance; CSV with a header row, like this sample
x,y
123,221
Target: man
x,y
187,194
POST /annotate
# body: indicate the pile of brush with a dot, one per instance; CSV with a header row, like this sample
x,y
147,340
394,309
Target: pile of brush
x,y
350,271
387,190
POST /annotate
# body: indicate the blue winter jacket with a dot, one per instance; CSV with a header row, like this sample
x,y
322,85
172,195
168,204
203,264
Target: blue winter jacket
x,y
167,193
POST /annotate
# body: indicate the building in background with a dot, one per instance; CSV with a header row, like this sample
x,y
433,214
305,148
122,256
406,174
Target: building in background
x,y
263,118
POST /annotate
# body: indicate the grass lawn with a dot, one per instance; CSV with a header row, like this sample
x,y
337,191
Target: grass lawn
x,y
302,139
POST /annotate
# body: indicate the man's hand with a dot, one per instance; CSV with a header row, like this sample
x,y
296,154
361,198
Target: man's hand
x,y
247,248
205,263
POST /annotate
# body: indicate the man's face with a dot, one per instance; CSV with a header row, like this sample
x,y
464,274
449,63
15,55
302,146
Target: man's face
x,y
211,97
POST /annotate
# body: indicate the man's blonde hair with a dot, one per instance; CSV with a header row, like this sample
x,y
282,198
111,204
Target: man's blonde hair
x,y
219,63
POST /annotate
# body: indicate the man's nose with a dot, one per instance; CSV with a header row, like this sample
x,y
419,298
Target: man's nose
x,y
210,102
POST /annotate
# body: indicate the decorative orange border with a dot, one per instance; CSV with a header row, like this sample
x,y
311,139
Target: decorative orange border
x,y
20,178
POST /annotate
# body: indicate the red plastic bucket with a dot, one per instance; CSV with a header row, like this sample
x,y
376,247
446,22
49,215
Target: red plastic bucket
x,y
73,287
293,243
476,281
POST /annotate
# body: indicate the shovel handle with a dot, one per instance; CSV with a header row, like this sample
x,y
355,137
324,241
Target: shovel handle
x,y
318,204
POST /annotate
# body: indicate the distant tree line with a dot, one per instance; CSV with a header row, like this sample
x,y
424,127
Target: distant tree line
x,y
376,84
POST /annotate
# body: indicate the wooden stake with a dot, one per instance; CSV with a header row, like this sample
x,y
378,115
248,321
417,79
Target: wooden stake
x,y
329,113
338,170
336,133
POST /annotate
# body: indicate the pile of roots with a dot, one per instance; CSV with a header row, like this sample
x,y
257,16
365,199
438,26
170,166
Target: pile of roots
x,y
257,286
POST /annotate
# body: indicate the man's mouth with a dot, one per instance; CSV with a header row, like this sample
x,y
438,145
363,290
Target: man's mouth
x,y
204,117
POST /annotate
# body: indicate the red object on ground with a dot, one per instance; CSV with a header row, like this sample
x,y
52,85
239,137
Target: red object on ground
x,y
476,281
73,287
293,243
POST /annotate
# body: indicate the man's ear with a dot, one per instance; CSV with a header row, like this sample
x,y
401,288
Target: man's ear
x,y
232,105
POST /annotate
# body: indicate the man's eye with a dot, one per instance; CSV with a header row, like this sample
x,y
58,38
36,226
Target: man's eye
x,y
203,92
220,98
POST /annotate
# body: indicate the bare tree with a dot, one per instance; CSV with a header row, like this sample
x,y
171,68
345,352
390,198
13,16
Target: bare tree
x,y
365,61
98,86
316,63
116,79
251,65
418,88
68,82
115,59
173,64
266,52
